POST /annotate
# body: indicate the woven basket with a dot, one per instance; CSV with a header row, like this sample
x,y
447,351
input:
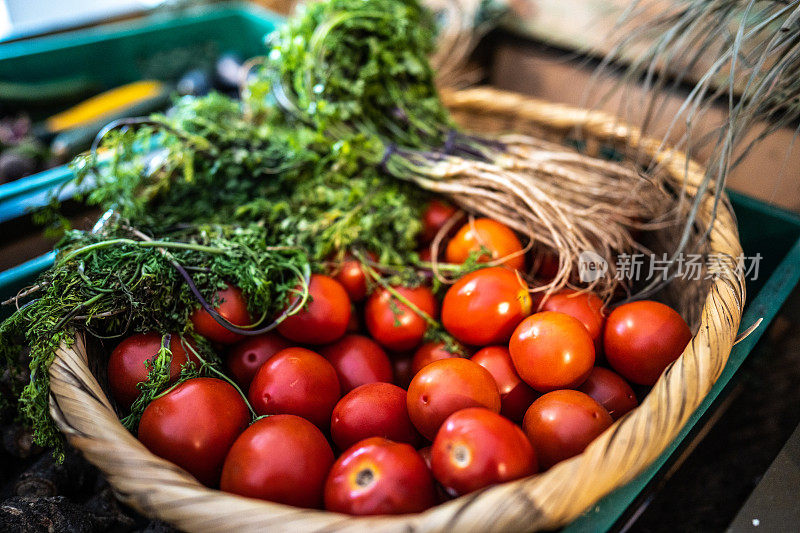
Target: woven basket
x,y
162,490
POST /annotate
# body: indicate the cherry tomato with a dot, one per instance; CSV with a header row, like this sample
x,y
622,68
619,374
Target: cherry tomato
x,y
486,233
444,387
609,390
552,351
562,423
641,339
401,366
427,354
485,306
354,326
515,395
232,307
404,330
378,477
352,277
476,448
372,410
325,316
436,215
425,254
426,454
281,458
548,265
296,381
585,306
442,494
358,360
194,426
246,357
126,366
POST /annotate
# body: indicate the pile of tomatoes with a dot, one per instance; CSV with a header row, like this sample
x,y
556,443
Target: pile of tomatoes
x,y
411,422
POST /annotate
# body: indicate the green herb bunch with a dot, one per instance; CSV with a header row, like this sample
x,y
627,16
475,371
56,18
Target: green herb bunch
x,y
113,283
202,162
219,192
348,67
228,198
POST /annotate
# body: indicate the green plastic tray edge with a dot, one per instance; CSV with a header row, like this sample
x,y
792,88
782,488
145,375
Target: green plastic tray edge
x,y
755,204
13,277
150,23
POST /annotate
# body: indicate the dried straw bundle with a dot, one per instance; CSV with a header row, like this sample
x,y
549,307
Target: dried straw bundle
x,y
740,55
566,201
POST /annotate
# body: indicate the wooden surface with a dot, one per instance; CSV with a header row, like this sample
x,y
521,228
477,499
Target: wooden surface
x,y
771,172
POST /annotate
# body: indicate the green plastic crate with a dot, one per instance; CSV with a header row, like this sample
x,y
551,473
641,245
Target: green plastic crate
x,y
162,46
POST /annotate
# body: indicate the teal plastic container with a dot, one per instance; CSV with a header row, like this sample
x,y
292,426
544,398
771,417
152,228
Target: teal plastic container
x,y
161,46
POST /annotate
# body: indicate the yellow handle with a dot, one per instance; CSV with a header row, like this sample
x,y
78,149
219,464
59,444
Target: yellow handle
x,y
104,104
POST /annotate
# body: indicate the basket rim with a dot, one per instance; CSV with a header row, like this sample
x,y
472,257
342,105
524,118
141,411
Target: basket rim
x,y
545,500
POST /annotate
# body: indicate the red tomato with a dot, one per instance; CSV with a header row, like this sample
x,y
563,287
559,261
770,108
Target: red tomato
x,y
232,307
377,477
485,306
427,354
641,339
354,326
246,357
296,381
486,233
476,448
425,254
126,366
442,494
552,351
548,265
194,426
404,330
436,215
515,395
358,360
444,387
401,366
281,458
372,410
426,454
352,277
609,390
562,423
325,316
585,306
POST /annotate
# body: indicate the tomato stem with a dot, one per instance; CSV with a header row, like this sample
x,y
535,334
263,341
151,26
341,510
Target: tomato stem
x,y
215,370
402,299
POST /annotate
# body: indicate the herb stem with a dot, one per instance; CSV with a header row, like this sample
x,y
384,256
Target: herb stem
x,y
142,244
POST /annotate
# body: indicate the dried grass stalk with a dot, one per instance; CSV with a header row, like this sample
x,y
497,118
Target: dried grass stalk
x,y
741,54
558,198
